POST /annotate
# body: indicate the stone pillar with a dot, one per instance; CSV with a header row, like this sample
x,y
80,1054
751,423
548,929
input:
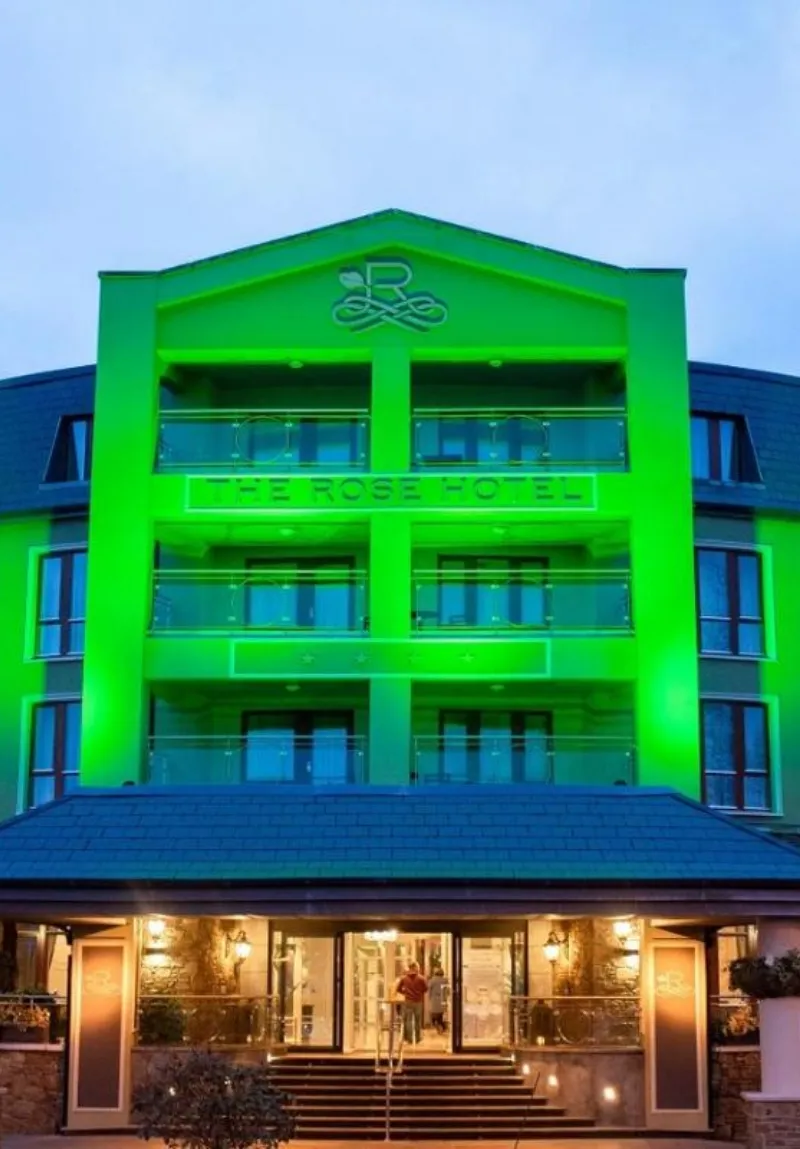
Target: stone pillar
x,y
773,1115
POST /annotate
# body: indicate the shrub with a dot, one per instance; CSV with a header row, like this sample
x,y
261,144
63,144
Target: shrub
x,y
767,977
203,1101
161,1021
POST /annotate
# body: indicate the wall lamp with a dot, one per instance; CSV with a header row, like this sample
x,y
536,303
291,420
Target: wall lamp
x,y
240,945
552,947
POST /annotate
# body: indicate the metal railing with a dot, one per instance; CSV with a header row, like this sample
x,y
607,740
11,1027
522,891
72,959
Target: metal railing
x,y
569,439
206,1019
733,1020
575,1021
257,440
533,757
33,1017
522,600
179,760
330,599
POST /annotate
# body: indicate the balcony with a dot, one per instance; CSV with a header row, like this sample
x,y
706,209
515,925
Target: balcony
x,y
532,757
255,441
269,598
337,759
520,439
528,599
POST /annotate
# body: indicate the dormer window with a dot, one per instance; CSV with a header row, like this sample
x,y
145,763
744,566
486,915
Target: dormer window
x,y
71,456
722,451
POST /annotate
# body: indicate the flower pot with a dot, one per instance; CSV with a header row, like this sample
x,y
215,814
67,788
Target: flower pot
x,y
780,1046
12,1034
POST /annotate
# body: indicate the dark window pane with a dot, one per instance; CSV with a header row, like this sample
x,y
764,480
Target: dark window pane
x,y
715,637
72,735
721,791
78,603
756,792
49,639
749,567
755,738
75,637
701,463
50,594
71,783
718,727
751,638
713,577
727,449
43,789
44,737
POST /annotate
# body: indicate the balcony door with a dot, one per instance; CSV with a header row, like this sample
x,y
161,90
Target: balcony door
x,y
490,592
280,441
301,747
302,594
494,746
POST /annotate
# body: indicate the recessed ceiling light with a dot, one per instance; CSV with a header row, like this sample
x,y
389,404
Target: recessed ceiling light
x,y
497,687
292,687
499,530
495,362
295,364
286,532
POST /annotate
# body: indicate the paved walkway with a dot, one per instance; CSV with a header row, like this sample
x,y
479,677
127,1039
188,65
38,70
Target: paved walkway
x,y
128,1142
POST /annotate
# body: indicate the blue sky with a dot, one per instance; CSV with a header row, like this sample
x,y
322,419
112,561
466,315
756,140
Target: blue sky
x,y
142,133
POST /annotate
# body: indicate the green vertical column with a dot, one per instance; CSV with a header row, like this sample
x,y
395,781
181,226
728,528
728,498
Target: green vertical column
x,y
662,542
390,425
120,535
390,731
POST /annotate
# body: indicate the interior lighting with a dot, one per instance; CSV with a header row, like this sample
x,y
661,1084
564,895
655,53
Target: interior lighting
x,y
552,1081
610,1094
381,935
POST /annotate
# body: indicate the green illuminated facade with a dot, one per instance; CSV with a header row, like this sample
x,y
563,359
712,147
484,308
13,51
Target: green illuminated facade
x,y
425,597
431,486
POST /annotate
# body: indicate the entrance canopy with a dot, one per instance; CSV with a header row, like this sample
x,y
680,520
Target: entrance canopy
x,y
376,850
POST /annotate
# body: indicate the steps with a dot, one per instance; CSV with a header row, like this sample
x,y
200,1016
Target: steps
x,y
457,1097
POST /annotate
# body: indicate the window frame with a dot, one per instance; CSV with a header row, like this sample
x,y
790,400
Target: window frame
x,y
306,590
64,620
713,421
58,772
735,618
60,451
303,724
518,567
473,722
740,772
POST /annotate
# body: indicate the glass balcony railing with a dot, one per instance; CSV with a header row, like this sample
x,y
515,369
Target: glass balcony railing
x,y
274,599
556,439
256,441
505,758
527,599
321,760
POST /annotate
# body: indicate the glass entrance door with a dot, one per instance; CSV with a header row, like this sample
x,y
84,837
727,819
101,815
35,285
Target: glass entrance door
x,y
304,988
373,968
489,971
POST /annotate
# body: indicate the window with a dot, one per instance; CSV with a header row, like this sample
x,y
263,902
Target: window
x,y
301,747
62,604
494,746
55,745
489,592
730,602
736,772
315,594
71,457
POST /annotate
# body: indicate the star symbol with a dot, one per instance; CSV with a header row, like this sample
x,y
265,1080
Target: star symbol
x,y
308,659
467,657
361,659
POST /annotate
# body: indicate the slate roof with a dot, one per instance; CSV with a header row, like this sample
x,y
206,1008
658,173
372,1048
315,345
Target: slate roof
x,y
488,833
771,405
30,408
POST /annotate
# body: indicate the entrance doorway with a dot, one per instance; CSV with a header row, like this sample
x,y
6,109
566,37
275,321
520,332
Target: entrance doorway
x,y
374,963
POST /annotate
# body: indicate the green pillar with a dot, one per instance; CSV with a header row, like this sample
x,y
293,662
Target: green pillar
x,y
390,731
120,535
390,575
390,427
662,542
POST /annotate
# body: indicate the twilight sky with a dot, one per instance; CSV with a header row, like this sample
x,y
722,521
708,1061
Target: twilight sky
x,y
143,133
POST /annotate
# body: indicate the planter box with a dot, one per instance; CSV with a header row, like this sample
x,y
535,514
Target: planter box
x,y
10,1034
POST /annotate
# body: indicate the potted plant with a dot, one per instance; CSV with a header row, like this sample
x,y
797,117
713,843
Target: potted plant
x,y
204,1101
775,983
161,1021
23,1020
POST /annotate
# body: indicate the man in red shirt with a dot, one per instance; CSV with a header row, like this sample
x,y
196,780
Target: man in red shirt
x,y
413,987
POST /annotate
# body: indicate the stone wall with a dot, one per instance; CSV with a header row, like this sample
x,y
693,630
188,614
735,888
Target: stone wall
x,y
33,1079
773,1124
577,1081
734,1070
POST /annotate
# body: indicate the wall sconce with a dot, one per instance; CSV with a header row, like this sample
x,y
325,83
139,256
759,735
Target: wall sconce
x,y
622,928
240,945
629,942
552,947
156,927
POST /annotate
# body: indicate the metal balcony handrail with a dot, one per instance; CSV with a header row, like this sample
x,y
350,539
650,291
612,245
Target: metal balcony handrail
x,y
510,412
220,414
261,576
258,737
538,576
575,1020
481,740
